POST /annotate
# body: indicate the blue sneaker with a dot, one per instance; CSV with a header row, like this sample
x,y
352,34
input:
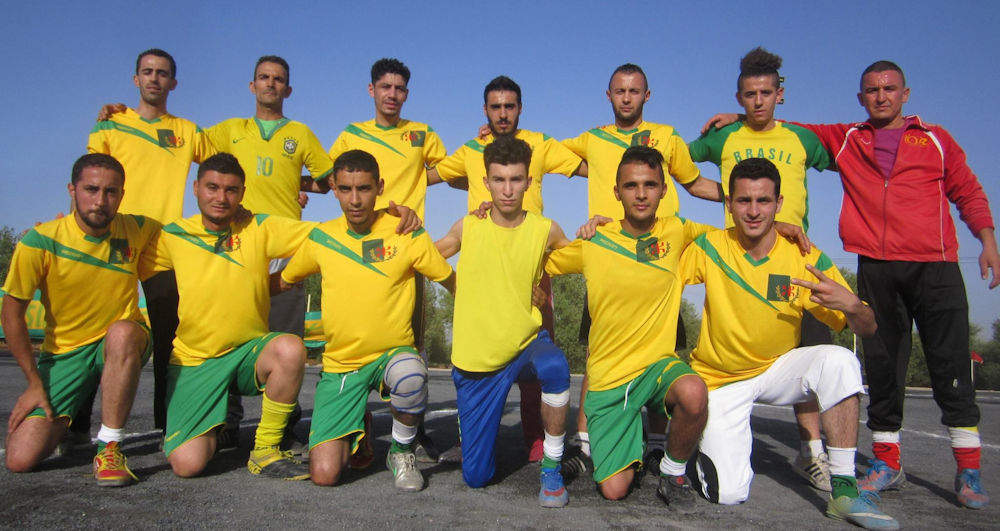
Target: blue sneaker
x,y
881,477
553,492
970,490
862,511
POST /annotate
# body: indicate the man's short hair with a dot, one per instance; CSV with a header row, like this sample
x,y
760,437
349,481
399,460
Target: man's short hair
x,y
753,169
628,68
276,60
159,53
882,66
356,160
96,160
759,62
222,163
507,150
641,155
501,83
388,65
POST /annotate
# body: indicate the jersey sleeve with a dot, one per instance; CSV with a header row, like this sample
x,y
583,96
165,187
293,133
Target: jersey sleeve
x,y
284,235
339,146
426,258
302,264
218,134
97,142
577,145
692,268
832,318
679,164
816,155
434,151
453,166
155,257
315,159
28,267
559,158
693,230
708,147
566,260
203,146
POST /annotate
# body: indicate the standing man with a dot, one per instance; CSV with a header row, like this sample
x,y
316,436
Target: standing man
x,y
86,265
498,337
502,107
156,149
755,295
630,267
793,150
367,271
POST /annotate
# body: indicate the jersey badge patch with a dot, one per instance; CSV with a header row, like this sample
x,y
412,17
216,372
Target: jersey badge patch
x,y
642,138
415,138
290,145
779,288
167,138
120,252
650,250
376,251
227,243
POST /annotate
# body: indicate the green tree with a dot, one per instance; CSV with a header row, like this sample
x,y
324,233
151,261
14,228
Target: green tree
x,y
439,309
8,239
568,296
692,327
314,292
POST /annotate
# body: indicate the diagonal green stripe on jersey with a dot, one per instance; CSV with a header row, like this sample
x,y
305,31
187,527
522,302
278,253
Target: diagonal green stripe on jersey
x,y
325,240
475,146
713,254
174,229
355,130
603,241
108,125
604,135
44,243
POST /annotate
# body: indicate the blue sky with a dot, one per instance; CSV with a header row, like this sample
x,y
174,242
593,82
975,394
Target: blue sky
x,y
63,59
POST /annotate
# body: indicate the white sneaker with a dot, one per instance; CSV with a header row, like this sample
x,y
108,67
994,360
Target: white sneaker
x,y
404,468
815,470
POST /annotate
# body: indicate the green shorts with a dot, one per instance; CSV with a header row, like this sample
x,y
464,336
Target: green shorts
x,y
341,399
197,394
614,416
71,377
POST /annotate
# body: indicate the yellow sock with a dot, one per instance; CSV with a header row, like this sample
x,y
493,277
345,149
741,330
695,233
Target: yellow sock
x,y
273,419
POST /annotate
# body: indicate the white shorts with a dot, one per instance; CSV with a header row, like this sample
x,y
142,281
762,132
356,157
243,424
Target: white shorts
x,y
827,373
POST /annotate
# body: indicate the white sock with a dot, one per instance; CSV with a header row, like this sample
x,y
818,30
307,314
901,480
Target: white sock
x,y
964,437
107,434
811,448
885,437
669,467
553,446
402,433
584,442
841,461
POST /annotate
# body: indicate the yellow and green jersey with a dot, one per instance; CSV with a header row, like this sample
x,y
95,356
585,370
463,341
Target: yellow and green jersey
x,y
753,313
87,283
222,279
497,269
273,161
368,286
633,292
404,152
547,156
791,148
603,147
156,155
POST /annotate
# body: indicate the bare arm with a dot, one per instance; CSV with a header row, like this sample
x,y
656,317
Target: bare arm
x,y
832,295
16,329
308,184
451,243
557,238
705,189
582,170
989,259
449,283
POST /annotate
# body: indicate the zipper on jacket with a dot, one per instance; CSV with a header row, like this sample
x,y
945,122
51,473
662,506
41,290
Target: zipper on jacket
x,y
885,214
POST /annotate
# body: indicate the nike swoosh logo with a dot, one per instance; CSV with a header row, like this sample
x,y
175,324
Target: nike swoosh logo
x,y
235,140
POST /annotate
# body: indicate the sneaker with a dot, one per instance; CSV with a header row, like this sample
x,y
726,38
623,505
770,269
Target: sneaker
x,y
404,467
227,439
862,511
452,456
575,463
537,451
363,458
815,470
275,463
881,477
553,493
651,461
677,492
970,490
111,467
426,451
72,441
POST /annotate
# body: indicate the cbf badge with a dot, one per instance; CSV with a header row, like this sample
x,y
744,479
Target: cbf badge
x,y
290,146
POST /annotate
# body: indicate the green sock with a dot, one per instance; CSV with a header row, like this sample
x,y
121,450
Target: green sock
x,y
400,448
548,462
844,486
101,445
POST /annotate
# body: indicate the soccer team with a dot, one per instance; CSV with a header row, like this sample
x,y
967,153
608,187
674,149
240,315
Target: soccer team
x,y
771,298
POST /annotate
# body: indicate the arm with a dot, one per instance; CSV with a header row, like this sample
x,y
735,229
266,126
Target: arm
x,y
451,243
582,169
721,120
557,238
589,229
408,219
108,109
449,283
794,234
705,189
19,343
828,293
316,186
989,259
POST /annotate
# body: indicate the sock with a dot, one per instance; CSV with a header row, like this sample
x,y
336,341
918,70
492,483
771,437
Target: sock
x,y
811,448
553,448
670,466
106,435
584,442
842,472
886,447
402,437
656,440
273,419
966,447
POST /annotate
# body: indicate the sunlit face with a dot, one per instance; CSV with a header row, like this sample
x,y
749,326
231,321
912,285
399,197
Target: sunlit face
x,y
154,79
640,189
507,184
627,94
758,95
219,196
270,84
389,93
883,95
96,197
753,205
357,192
502,111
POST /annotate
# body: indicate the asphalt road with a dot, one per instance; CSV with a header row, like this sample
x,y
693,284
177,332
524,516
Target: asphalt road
x,y
62,493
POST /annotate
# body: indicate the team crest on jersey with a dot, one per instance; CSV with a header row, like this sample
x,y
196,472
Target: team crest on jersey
x,y
650,250
642,138
376,251
167,138
291,145
227,243
415,138
780,288
120,253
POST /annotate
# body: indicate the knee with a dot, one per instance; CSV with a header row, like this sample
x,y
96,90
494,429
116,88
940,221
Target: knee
x,y
406,377
618,486
19,463
186,467
690,396
324,472
125,340
290,351
476,481
553,371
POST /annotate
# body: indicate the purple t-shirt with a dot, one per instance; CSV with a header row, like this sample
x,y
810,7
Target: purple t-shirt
x,y
886,145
